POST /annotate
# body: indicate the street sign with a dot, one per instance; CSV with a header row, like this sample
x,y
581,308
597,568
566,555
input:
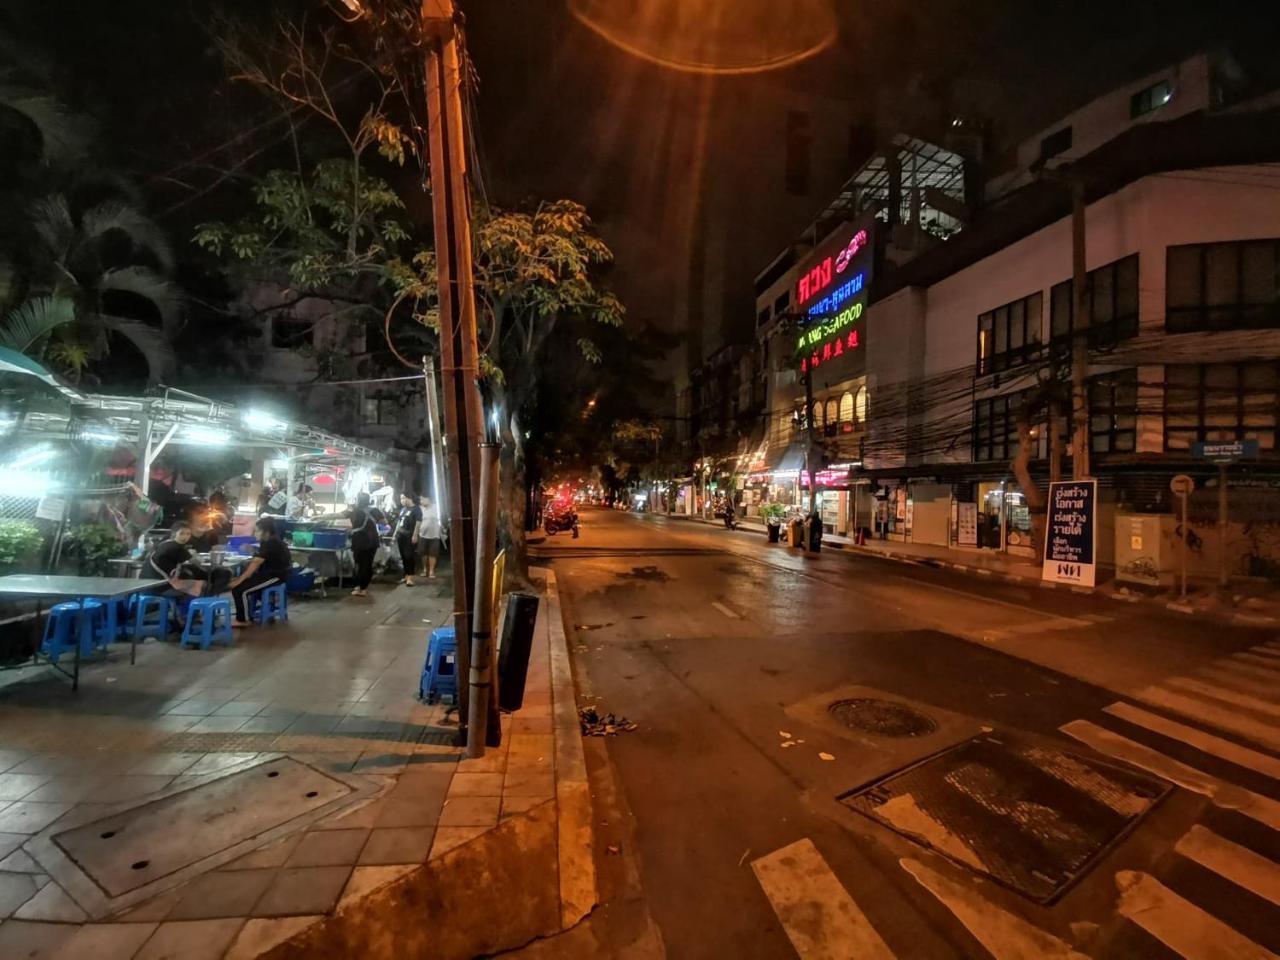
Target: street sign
x,y
1071,536
1182,485
1230,451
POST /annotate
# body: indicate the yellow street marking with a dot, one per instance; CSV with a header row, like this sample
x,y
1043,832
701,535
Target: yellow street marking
x,y
1240,865
1259,731
1006,936
1179,924
814,908
1224,695
1226,795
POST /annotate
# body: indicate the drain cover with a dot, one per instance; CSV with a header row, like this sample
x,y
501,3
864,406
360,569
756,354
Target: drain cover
x,y
882,717
1031,817
131,849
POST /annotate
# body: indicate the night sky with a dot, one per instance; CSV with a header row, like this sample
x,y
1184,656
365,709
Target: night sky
x,y
565,114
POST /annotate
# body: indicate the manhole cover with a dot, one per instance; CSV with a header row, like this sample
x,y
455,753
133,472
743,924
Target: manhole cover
x,y
1031,817
882,717
131,849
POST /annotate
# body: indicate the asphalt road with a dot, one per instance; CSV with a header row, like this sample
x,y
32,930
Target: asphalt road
x,y
721,822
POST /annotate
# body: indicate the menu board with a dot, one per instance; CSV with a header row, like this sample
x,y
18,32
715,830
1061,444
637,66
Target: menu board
x,y
967,535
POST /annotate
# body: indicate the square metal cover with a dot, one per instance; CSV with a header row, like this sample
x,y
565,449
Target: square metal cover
x,y
130,849
1031,817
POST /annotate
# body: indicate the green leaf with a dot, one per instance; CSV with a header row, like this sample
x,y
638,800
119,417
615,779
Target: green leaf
x,y
34,320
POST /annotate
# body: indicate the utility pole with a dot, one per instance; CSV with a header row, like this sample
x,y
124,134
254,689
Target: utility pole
x,y
459,354
433,426
808,437
1079,336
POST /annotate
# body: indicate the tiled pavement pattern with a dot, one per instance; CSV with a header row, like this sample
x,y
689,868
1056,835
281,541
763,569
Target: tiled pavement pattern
x,y
335,688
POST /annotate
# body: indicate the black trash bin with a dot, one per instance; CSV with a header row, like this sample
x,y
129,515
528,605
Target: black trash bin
x,y
517,639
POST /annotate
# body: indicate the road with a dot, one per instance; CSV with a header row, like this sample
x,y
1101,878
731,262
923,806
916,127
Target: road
x,y
1088,778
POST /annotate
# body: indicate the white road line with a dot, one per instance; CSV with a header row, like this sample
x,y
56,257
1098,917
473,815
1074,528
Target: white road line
x,y
1241,678
1265,650
1266,665
814,908
1231,721
1006,936
1240,865
1179,924
1224,695
1204,742
1226,795
725,610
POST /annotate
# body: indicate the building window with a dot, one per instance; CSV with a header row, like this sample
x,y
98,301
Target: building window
x,y
381,411
995,427
763,317
799,148
1055,143
1009,336
1223,286
817,416
1113,305
782,303
846,408
1113,412
860,405
288,333
1144,101
1221,401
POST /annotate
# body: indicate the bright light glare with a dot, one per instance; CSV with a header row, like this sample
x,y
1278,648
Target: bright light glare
x,y
24,483
206,435
31,457
108,438
258,420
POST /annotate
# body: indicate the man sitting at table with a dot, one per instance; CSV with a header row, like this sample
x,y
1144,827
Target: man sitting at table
x,y
270,565
174,560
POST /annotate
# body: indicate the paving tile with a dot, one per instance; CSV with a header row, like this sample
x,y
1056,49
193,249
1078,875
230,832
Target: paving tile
x,y
529,783
105,941
19,862
190,940
470,812
172,724
328,848
259,935
10,842
218,763
15,786
155,909
303,890
30,816
130,788
69,788
449,837
272,855
476,785
52,903
522,724
397,845
266,725
11,758
401,812
219,725
241,708
33,941
165,764
514,806
48,763
364,880
280,711
15,890
221,894
193,708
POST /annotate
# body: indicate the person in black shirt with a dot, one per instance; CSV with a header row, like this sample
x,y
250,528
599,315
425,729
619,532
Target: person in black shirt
x,y
407,529
364,541
269,566
170,556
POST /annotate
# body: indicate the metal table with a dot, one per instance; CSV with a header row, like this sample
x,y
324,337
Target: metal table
x,y
42,587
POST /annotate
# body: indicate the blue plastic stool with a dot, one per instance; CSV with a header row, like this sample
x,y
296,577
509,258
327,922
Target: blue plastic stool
x,y
440,675
143,625
62,629
208,619
269,604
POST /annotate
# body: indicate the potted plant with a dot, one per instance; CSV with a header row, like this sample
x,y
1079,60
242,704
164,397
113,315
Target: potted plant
x,y
772,514
91,545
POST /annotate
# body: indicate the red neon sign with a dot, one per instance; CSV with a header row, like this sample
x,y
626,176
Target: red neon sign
x,y
826,270
830,351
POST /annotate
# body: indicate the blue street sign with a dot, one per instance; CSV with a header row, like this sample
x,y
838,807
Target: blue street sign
x,y
1228,451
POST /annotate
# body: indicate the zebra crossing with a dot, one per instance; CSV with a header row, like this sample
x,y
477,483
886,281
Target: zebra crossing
x,y
1225,714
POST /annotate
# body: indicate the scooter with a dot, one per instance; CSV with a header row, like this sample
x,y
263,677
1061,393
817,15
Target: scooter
x,y
561,520
730,521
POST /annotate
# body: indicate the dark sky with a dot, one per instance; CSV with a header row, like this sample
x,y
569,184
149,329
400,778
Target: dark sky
x,y
565,114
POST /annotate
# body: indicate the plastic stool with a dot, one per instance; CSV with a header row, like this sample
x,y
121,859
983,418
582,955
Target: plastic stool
x,y
62,629
269,604
208,619
143,625
440,675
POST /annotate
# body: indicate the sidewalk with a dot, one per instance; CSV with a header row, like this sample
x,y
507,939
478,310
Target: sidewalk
x,y
289,797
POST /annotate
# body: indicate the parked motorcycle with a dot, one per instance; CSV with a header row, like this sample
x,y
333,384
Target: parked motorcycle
x,y
561,520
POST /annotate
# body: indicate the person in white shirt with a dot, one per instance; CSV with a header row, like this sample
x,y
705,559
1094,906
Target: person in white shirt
x,y
429,531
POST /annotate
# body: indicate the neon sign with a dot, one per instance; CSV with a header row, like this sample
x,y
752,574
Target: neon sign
x,y
826,270
832,295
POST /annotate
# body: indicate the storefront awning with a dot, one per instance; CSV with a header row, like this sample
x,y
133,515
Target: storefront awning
x,y
787,459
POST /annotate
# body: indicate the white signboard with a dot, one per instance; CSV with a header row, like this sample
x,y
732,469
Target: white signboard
x,y
1071,535
968,532
51,508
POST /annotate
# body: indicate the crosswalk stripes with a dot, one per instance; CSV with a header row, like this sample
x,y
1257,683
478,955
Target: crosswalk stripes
x,y
1232,721
1205,742
1224,695
1179,924
1268,664
819,916
1240,865
1237,678
1004,935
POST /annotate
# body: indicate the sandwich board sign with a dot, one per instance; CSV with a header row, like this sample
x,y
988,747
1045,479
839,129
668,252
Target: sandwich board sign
x,y
1071,534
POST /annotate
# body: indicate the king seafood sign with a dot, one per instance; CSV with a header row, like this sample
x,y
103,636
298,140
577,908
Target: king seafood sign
x,y
832,296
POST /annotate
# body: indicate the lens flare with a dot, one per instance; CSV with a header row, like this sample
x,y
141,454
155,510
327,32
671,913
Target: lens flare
x,y
713,36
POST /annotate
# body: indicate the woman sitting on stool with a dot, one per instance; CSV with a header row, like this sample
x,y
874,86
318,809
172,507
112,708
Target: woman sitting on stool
x,y
269,566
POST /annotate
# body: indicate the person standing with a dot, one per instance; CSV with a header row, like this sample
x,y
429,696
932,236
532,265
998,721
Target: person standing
x,y
429,533
407,528
270,565
364,542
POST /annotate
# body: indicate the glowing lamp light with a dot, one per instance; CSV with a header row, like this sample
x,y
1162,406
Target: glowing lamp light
x,y
713,36
206,435
258,420
324,480
30,458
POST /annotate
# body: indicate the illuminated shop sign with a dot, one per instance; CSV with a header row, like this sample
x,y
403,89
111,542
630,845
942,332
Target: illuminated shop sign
x,y
832,296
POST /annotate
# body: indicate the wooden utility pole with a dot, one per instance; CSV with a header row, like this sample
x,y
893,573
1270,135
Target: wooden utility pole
x,y
1079,337
459,354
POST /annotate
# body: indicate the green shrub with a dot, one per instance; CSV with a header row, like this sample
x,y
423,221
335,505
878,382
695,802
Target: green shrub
x,y
18,540
93,544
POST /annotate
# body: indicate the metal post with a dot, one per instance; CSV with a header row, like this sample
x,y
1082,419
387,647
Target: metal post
x,y
808,437
1185,547
1079,337
142,466
433,427
481,668
1222,525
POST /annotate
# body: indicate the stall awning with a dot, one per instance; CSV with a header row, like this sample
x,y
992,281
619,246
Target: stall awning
x,y
787,459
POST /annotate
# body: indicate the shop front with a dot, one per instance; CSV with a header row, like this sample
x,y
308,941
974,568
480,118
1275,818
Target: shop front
x,y
1003,519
